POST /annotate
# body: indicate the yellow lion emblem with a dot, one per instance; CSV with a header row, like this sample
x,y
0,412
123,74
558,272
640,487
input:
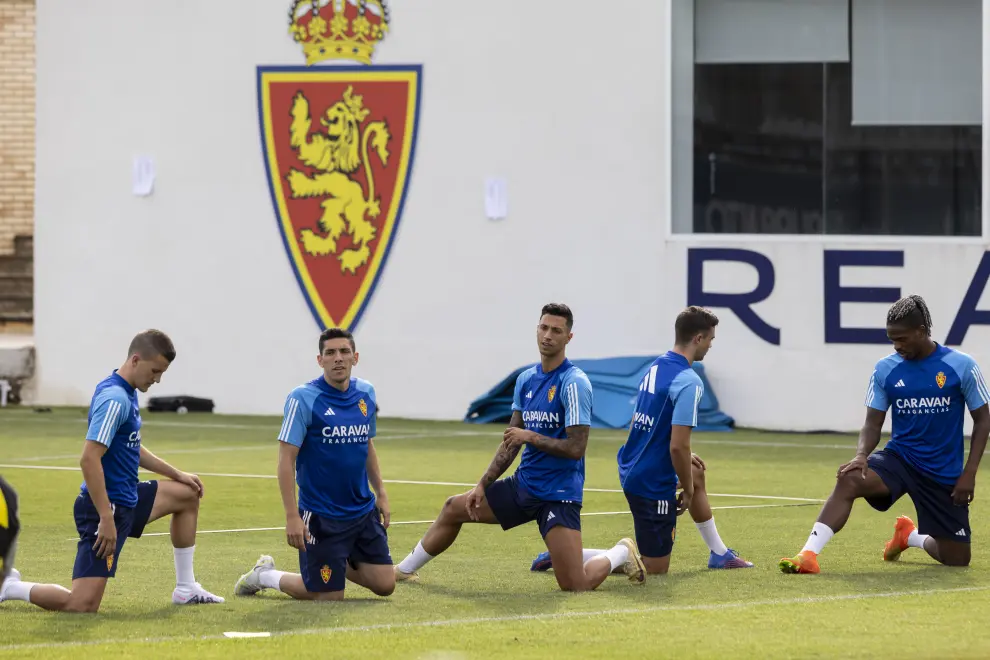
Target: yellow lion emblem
x,y
940,379
337,152
364,407
552,393
325,573
109,562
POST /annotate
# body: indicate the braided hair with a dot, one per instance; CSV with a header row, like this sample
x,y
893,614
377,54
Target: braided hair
x,y
911,310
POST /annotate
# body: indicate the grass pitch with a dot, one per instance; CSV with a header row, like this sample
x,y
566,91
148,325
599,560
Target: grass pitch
x,y
479,599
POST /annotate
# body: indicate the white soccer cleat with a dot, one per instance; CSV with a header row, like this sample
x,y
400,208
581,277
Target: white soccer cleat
x,y
405,577
194,595
250,583
634,568
14,576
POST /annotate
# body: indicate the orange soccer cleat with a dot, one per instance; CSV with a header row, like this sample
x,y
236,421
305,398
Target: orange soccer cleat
x,y
805,562
895,546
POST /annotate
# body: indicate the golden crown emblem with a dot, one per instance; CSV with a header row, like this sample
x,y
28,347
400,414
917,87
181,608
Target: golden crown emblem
x,y
338,29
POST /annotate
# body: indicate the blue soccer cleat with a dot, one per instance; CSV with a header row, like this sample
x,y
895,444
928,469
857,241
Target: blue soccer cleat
x,y
542,562
729,560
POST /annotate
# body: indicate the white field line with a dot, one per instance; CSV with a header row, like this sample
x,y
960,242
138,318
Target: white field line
x,y
22,417
413,483
37,417
540,616
430,522
271,445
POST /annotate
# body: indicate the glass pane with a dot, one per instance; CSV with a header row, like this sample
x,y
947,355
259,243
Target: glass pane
x,y
758,135
898,180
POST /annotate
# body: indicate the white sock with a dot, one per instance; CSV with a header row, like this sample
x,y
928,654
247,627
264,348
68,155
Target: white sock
x,y
17,590
184,576
415,560
271,579
712,539
820,535
617,556
591,554
916,540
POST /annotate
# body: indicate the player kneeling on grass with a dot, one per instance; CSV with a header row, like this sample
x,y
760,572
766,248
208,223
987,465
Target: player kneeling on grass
x,y
326,446
9,528
112,504
656,458
551,416
928,387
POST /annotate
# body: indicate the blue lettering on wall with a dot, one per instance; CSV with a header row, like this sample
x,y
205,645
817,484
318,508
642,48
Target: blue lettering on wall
x,y
739,303
968,314
836,294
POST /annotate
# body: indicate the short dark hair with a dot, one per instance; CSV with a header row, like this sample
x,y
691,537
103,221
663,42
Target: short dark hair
x,y
692,321
150,344
559,309
910,311
336,333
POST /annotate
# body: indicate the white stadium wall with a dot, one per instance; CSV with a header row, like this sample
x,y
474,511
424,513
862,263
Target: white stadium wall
x,y
580,134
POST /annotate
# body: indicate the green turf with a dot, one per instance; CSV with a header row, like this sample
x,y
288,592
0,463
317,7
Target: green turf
x,y
479,599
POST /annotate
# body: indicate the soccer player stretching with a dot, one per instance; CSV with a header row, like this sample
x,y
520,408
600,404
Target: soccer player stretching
x,y
551,415
657,456
326,446
926,386
112,504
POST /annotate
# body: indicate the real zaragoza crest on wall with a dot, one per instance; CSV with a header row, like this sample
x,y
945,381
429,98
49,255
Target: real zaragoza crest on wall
x,y
338,137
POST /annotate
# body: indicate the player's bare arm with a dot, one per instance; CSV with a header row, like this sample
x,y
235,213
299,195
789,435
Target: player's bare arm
x,y
965,487
504,456
91,463
682,458
572,447
869,438
375,479
152,463
294,528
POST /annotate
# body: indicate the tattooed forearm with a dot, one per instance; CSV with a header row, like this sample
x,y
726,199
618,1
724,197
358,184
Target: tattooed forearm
x,y
573,447
503,459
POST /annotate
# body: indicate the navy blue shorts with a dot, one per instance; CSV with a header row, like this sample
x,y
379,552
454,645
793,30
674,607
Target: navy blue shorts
x,y
331,544
938,515
513,505
655,522
130,522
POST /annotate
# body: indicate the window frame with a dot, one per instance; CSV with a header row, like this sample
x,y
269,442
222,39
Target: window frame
x,y
862,239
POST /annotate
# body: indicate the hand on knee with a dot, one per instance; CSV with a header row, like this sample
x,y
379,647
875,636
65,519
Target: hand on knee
x,y
698,476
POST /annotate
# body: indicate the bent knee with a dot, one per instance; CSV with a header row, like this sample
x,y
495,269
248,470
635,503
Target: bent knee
x,y
850,484
698,475
82,606
657,565
384,590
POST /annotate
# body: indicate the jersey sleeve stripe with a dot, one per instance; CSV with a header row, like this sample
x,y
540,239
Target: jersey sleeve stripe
x,y
290,416
981,384
697,402
572,405
653,379
871,388
109,423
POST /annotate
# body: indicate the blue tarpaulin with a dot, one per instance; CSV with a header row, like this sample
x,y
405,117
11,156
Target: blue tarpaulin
x,y
615,382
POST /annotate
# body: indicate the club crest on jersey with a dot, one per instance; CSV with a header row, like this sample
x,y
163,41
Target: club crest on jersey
x,y
940,379
552,393
325,574
364,407
338,145
109,562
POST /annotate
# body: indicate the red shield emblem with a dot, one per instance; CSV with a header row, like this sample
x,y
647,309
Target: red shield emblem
x,y
325,573
338,146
